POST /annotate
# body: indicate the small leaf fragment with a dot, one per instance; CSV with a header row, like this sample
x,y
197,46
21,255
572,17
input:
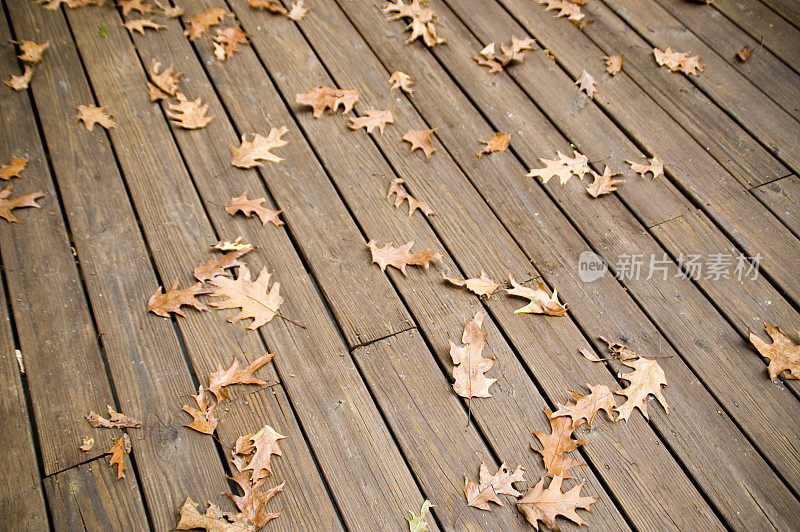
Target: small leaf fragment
x,y
417,523
162,304
540,301
396,187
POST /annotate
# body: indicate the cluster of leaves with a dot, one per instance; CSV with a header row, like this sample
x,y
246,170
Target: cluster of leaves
x,y
297,12
420,17
119,447
30,54
678,61
567,8
514,52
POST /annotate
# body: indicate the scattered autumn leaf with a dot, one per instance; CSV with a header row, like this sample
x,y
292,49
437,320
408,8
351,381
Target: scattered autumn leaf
x,y
540,301
396,187
252,503
375,118
264,444
251,296
140,25
646,379
745,53
400,257
586,407
493,65
564,167
498,142
31,51
417,523
602,184
545,505
613,64
189,114
162,304
221,378
678,61
202,22
487,489
7,205
420,139
115,420
555,444
269,5
655,167
298,11
14,168
118,450
228,41
134,5
248,207
214,520
482,286
586,83
402,81
236,245
72,4
204,419
783,353
92,114
216,267
422,22
166,81
469,366
87,444
620,351
260,148
322,98
565,8
21,82
171,11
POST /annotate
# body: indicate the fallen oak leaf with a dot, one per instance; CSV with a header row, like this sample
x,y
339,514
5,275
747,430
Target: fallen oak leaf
x,y
565,9
555,444
221,378
602,184
396,187
613,64
31,50
420,139
417,523
482,286
655,167
402,81
269,5
498,142
204,419
494,66
564,167
745,53
252,503
118,450
162,304
678,61
92,114
251,296
228,40
248,207
298,11
469,366
115,420
213,520
422,20
646,379
540,301
202,22
87,444
21,82
489,486
260,148
587,406
264,444
189,114
375,118
515,51
400,257
783,353
166,81
134,5
545,505
170,11
619,350
236,245
8,205
14,168
140,25
322,98
215,267
586,83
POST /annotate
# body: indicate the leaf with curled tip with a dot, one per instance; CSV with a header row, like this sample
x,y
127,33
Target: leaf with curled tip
x,y
115,420
162,304
221,378
204,418
540,301
322,98
229,40
134,5
166,81
400,257
422,18
783,353
202,22
119,449
602,184
396,187
8,205
21,81
402,81
31,50
555,444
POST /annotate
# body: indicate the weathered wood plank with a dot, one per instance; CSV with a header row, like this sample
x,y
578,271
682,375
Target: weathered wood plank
x,y
521,204
786,8
741,154
331,397
782,197
89,497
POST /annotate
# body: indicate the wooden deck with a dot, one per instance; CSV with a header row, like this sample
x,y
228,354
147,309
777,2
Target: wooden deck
x,y
362,387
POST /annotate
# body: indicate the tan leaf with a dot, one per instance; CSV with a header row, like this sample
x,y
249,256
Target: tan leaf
x,y
396,187
230,38
260,148
498,142
92,114
202,22
586,84
170,11
322,98
646,379
221,378
783,353
620,351
555,444
591,356
400,257
402,81
87,444
565,9
564,167
269,5
298,11
264,444
204,419
214,520
252,503
678,61
494,66
745,53
31,51
134,5
541,301
586,407
248,207
115,420
251,296
469,366
482,286
140,25
155,93
8,205
21,82
375,118
420,139
515,51
236,245
189,114
490,486
118,450
166,81
545,505
164,303
655,167
613,64
602,184
216,267
14,168
421,21
417,523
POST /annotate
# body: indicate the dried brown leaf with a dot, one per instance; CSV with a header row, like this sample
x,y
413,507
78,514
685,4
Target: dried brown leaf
x,y
189,114
402,81
603,184
613,64
545,505
118,450
375,118
7,205
745,53
498,142
115,420
21,82
204,418
564,167
655,167
555,444
540,301
229,39
202,22
783,353
14,168
422,20
268,5
400,257
396,187
298,11
469,365
586,407
252,503
263,445
248,207
482,286
166,81
31,50
646,378
322,98
420,139
140,25
221,378
678,61
586,83
92,114
487,489
252,297
214,520
87,444
260,148
162,304
216,267
134,5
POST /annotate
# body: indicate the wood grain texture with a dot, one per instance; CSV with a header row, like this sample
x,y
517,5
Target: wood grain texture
x,y
782,197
